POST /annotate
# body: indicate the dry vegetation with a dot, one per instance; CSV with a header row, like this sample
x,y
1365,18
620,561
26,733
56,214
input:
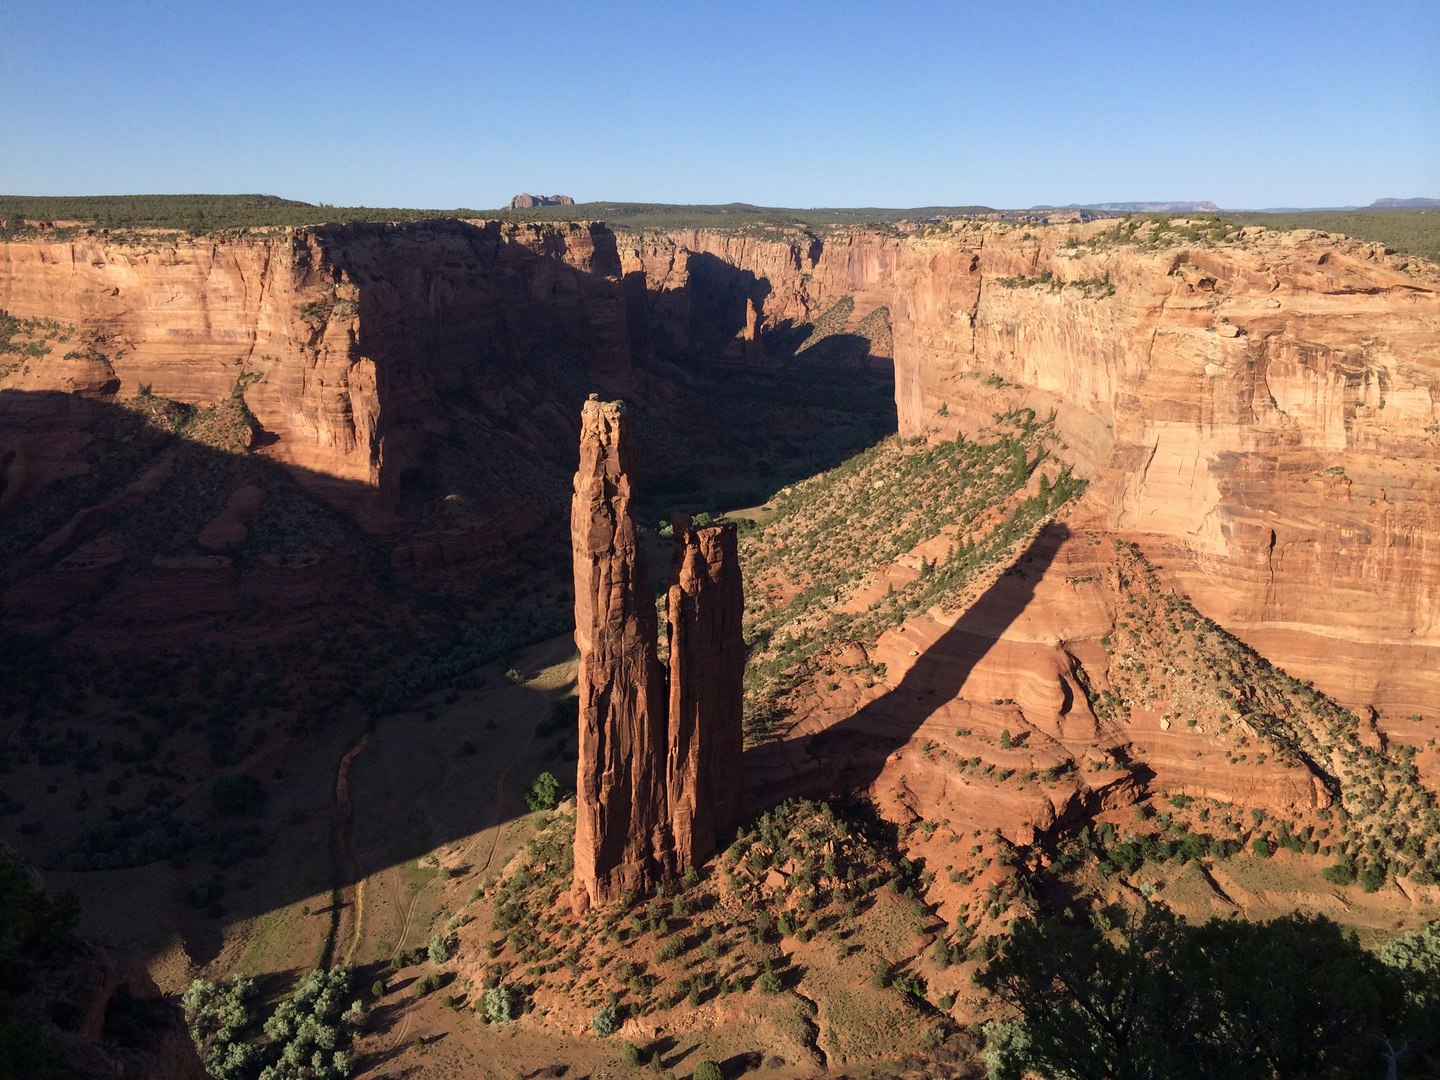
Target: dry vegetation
x,y
1165,656
831,532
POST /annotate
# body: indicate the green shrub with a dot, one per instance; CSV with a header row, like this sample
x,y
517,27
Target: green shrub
x,y
544,793
239,793
630,1055
1310,1000
707,1070
515,676
428,985
497,1004
911,984
309,1028
1372,877
437,949
606,1021
1262,847
941,952
377,988
1342,873
769,983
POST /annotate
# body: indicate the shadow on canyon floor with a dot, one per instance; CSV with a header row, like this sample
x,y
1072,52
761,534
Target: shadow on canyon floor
x,y
146,654
852,752
140,665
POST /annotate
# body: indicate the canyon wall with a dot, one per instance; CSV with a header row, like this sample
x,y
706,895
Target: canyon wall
x,y
1261,414
359,349
747,282
354,346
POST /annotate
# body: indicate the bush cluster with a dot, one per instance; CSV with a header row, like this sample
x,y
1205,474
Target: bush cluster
x,y
304,1038
1150,995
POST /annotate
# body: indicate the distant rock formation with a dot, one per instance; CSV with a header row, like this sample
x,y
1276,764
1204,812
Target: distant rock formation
x,y
1404,204
621,817
650,801
707,671
1202,207
527,202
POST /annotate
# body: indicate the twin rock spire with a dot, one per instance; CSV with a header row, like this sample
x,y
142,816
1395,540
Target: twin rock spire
x,y
659,775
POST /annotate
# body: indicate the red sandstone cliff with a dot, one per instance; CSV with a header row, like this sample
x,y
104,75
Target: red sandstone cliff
x,y
1260,411
527,201
1263,410
740,284
621,821
359,345
707,672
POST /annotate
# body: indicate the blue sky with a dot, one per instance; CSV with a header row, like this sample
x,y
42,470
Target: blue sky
x,y
791,104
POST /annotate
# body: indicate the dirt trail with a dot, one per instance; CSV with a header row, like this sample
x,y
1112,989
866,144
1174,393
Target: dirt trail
x,y
342,856
346,813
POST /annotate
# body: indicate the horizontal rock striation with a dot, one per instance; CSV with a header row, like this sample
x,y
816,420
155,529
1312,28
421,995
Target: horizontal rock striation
x,y
354,346
1261,414
687,285
527,201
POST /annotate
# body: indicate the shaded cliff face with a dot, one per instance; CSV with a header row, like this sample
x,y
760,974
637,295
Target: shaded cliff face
x,y
709,286
1264,411
620,805
354,346
707,673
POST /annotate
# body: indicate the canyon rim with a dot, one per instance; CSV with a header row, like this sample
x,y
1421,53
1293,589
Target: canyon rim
x,y
917,579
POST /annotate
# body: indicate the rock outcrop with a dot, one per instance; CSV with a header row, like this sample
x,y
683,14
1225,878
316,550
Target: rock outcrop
x,y
621,823
1258,412
527,201
707,672
653,798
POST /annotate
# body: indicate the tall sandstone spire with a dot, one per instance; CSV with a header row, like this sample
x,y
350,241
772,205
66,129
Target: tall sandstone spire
x,y
621,824
656,789
707,671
